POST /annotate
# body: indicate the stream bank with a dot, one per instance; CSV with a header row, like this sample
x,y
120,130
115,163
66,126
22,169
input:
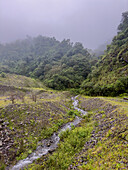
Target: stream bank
x,y
107,147
49,145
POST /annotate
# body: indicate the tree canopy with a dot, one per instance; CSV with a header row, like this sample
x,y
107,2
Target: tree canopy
x,y
60,65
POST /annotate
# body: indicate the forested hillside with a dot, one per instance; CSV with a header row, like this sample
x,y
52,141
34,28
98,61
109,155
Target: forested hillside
x,y
63,65
110,75
53,115
60,65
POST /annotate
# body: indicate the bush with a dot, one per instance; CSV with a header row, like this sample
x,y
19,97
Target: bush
x,y
73,113
74,91
3,75
64,134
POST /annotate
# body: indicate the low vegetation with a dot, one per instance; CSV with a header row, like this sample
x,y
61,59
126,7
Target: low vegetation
x,y
98,142
19,81
25,121
107,147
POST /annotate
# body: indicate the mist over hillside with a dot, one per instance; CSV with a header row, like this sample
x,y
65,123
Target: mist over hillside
x,y
59,65
91,22
110,74
64,88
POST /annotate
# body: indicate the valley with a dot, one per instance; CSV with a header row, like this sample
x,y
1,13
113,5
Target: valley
x,y
26,122
62,106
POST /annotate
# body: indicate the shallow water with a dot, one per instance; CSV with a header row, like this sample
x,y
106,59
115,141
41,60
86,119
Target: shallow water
x,y
49,145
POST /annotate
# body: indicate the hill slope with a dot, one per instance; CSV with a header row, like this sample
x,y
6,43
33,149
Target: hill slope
x,y
60,65
99,140
19,81
110,75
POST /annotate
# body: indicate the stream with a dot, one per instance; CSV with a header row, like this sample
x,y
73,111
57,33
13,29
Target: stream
x,y
49,145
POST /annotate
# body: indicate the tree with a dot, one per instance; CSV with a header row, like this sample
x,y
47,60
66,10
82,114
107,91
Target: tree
x,y
124,22
12,98
3,75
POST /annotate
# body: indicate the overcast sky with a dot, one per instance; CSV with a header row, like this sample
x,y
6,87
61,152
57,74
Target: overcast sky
x,y
91,22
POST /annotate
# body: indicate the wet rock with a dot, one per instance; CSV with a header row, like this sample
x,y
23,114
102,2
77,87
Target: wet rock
x,y
0,143
48,144
7,139
51,150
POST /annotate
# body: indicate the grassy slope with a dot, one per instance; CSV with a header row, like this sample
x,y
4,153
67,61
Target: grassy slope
x,y
107,148
98,142
20,81
18,86
26,122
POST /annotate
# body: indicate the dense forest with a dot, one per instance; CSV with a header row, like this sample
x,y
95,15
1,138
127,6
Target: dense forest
x,y
60,65
64,65
109,77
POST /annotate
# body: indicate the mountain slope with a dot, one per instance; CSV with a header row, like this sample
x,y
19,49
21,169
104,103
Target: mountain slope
x,y
60,65
110,75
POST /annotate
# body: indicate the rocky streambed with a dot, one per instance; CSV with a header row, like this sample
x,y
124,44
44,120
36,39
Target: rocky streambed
x,y
49,145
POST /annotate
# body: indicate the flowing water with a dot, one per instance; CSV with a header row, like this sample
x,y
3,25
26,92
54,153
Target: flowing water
x,y
49,145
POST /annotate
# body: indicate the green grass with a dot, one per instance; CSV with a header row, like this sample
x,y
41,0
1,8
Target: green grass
x,y
33,123
71,142
29,121
20,81
110,152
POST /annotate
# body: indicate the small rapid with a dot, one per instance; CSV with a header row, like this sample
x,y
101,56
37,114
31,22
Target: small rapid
x,y
49,145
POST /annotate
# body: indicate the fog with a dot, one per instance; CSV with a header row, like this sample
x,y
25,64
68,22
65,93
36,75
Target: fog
x,y
92,22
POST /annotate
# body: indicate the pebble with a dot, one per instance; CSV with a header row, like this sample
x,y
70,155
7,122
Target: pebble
x,y
52,150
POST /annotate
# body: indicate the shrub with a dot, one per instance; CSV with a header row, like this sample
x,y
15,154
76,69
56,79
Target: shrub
x,y
3,75
73,113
